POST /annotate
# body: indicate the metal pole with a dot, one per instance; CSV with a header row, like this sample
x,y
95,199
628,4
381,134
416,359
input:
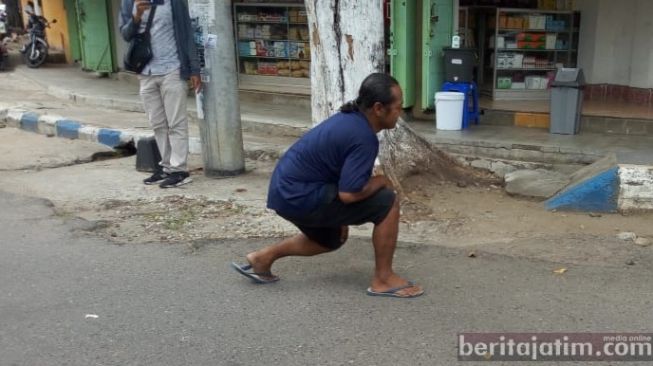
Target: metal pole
x,y
221,134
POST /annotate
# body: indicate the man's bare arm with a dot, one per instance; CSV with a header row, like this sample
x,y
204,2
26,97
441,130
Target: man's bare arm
x,y
374,185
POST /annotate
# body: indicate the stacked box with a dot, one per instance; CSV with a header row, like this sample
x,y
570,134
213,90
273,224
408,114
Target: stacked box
x,y
531,45
283,68
303,16
246,17
534,82
555,25
531,37
280,49
293,15
504,82
250,67
265,49
537,22
246,31
551,40
300,50
267,68
294,34
246,49
272,17
510,60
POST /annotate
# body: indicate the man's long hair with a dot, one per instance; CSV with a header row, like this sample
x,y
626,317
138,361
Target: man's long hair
x,y
376,88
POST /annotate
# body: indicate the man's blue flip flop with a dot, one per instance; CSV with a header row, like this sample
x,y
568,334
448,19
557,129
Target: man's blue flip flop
x,y
393,292
246,270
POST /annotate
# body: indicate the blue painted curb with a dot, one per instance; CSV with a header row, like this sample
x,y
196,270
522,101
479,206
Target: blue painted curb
x,y
30,122
597,194
109,137
68,128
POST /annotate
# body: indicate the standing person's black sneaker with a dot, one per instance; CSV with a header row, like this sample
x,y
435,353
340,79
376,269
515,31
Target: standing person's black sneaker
x,y
176,179
155,178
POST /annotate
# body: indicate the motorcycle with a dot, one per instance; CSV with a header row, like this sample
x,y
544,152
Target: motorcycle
x,y
35,51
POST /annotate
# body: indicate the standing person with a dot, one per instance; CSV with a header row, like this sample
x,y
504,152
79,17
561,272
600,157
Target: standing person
x,y
324,183
163,82
29,9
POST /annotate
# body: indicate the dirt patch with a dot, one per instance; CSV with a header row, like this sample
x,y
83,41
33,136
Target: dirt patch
x,y
480,218
487,218
179,218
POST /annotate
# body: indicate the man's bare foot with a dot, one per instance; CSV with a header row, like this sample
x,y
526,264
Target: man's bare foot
x,y
260,266
394,281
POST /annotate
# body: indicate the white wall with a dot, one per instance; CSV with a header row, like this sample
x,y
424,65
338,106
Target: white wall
x,y
616,42
587,46
641,72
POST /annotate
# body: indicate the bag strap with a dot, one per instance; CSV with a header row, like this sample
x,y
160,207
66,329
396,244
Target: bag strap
x,y
150,18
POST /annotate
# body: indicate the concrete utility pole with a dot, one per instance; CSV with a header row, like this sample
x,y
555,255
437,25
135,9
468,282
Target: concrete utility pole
x,y
221,134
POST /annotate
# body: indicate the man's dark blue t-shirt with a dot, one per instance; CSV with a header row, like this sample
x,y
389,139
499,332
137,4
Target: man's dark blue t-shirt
x,y
339,152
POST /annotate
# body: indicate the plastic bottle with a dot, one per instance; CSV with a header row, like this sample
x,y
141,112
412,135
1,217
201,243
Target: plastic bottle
x,y
455,41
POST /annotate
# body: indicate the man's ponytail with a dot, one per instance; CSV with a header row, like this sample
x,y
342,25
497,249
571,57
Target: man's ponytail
x,y
376,88
350,107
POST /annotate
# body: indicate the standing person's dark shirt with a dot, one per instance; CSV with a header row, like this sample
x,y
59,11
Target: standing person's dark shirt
x,y
337,154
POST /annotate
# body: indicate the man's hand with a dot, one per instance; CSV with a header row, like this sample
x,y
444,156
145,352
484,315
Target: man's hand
x,y
387,183
374,185
141,6
196,81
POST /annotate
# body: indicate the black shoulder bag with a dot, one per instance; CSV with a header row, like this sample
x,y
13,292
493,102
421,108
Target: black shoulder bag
x,y
139,53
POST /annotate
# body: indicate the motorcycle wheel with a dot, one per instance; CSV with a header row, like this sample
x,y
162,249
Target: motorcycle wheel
x,y
38,57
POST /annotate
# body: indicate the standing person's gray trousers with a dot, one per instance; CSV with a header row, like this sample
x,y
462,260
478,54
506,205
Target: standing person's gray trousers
x,y
164,99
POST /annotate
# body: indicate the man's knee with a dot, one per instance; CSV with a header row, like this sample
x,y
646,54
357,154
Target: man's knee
x,y
330,239
335,240
388,201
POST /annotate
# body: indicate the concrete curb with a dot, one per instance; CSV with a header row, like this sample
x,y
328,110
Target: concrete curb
x,y
519,152
595,194
250,123
111,103
53,125
617,183
58,126
254,124
16,58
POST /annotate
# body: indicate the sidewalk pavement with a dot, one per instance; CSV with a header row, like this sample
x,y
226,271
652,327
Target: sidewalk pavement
x,y
108,111
269,117
71,83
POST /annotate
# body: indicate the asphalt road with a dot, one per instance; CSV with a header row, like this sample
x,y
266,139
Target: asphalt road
x,y
180,304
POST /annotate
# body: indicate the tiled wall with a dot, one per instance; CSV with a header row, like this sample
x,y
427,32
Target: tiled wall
x,y
619,93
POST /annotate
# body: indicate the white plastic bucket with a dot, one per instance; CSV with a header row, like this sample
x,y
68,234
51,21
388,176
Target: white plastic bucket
x,y
449,110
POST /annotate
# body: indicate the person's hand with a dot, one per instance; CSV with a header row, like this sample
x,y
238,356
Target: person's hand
x,y
196,81
389,185
385,181
141,6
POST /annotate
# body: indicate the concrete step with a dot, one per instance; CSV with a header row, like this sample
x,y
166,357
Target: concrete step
x,y
16,58
504,143
246,95
589,123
